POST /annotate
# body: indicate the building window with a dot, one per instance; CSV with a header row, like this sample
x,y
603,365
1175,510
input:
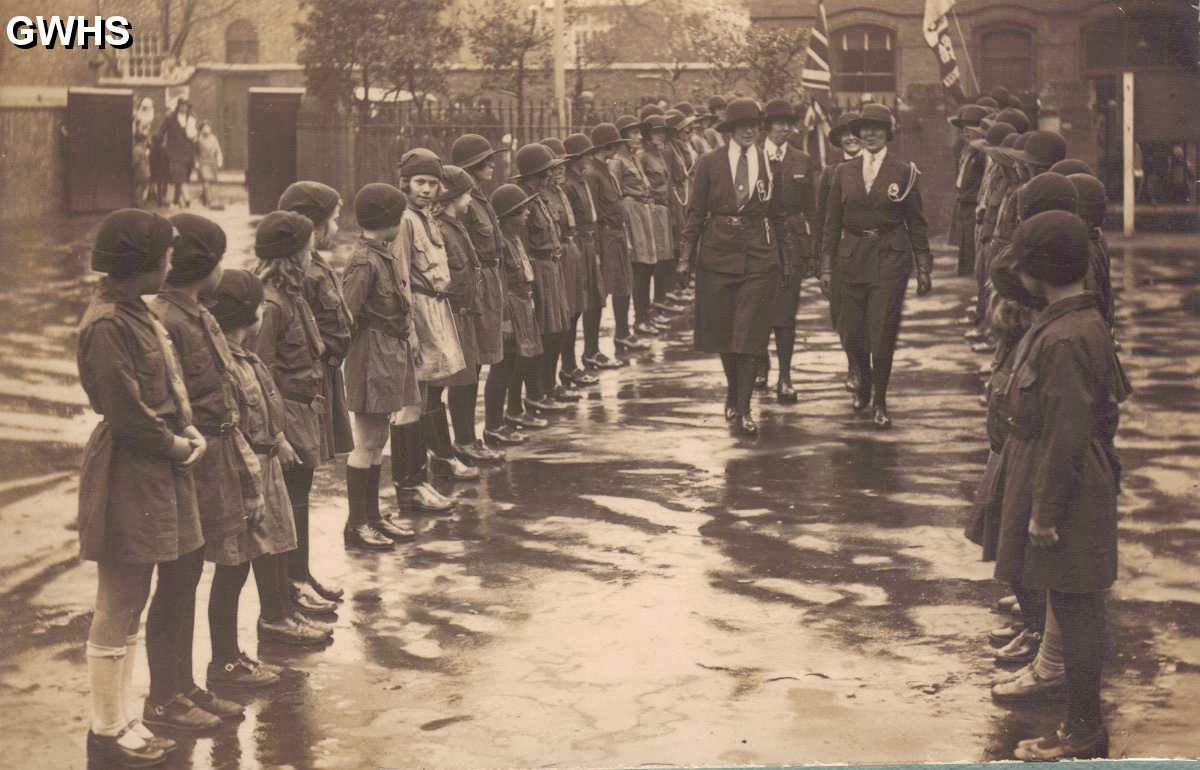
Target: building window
x,y
864,60
1141,40
241,43
1007,59
144,57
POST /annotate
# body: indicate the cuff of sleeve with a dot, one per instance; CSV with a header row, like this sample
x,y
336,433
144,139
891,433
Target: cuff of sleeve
x,y
1046,515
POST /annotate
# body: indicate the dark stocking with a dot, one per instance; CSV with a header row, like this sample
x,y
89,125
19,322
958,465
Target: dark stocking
x,y
223,600
785,346
569,363
462,410
591,331
298,479
170,625
270,592
621,316
495,390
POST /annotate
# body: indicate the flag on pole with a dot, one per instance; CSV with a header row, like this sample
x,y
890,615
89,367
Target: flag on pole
x,y
816,75
937,35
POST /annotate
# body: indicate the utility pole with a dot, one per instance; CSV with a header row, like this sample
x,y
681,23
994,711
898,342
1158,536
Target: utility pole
x,y
560,74
1129,200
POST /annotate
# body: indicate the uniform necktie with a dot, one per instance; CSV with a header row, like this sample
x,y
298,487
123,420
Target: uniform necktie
x,y
742,180
871,169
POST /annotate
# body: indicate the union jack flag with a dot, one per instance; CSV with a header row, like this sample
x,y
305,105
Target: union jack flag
x,y
817,75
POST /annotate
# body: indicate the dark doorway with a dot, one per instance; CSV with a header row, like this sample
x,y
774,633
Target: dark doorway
x,y
99,149
271,165
232,126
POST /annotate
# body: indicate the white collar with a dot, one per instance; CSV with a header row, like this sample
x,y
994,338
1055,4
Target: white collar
x,y
771,148
876,157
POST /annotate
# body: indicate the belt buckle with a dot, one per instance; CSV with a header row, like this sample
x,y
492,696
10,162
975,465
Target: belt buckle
x,y
737,221
226,428
871,233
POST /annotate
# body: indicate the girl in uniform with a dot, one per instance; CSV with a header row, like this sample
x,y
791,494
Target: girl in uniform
x,y
636,199
322,205
137,498
583,207
227,484
381,366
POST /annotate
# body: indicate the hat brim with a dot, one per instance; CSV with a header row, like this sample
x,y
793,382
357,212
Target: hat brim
x,y
553,164
639,126
577,155
521,205
979,144
475,160
727,126
789,118
858,124
613,143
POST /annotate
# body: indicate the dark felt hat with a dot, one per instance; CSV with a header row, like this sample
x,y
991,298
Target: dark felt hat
x,y
605,135
556,146
577,145
874,114
1046,192
1000,92
1052,246
1093,199
686,108
716,104
1042,149
509,199
654,123
420,162
533,159
780,109
312,199
738,112
676,120
627,123
198,248
234,303
130,242
455,182
379,206
1068,166
989,102
969,115
649,109
470,150
994,137
841,127
282,234
1017,118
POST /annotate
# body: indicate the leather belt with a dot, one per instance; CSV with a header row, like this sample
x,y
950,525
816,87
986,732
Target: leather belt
x,y
639,198
489,262
265,449
740,221
873,232
419,289
224,429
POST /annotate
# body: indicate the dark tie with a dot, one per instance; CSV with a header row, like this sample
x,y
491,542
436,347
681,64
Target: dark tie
x,y
742,180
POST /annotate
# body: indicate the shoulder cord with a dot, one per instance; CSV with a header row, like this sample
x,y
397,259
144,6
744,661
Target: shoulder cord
x,y
913,173
686,187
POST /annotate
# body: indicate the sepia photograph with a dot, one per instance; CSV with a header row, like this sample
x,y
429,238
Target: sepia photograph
x,y
596,384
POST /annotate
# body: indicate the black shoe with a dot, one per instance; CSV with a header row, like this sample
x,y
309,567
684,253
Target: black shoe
x,y
746,425
565,395
631,343
365,538
785,393
505,435
218,707
239,673
1022,649
730,414
288,631
647,328
106,750
881,419
1029,687
394,528
601,361
179,713
329,594
525,420
861,401
546,404
1006,634
579,377
308,601
325,629
1063,745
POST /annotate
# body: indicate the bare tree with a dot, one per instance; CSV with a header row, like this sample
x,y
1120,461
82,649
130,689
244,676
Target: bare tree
x,y
773,59
511,43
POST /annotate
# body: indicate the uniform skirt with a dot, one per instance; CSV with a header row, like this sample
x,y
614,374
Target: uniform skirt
x,y
595,292
272,531
470,349
965,237
441,354
226,494
381,373
641,230
303,429
733,312
525,330
615,265
489,334
336,435
550,296
574,278
134,509
660,221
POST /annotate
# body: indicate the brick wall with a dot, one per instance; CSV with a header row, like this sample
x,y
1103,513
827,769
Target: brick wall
x,y
32,162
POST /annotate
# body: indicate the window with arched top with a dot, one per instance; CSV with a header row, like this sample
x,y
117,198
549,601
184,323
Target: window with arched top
x,y
864,60
1006,59
241,43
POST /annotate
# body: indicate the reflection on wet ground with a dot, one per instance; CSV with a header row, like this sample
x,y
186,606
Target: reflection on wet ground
x,y
637,586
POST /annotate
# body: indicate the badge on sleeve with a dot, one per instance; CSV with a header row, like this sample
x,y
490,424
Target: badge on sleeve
x,y
893,191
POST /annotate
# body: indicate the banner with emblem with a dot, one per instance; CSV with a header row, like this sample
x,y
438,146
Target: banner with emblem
x,y
937,35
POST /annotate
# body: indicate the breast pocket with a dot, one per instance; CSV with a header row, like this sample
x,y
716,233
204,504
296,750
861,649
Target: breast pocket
x,y
1026,418
152,377
294,338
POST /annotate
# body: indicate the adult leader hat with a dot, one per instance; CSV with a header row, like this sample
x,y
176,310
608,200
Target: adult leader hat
x,y
198,248
841,128
508,199
1093,199
282,234
420,162
1046,192
131,242
533,159
1068,166
1042,148
470,150
455,182
675,119
1052,246
780,110
969,115
379,206
577,145
874,115
606,135
739,112
312,199
234,303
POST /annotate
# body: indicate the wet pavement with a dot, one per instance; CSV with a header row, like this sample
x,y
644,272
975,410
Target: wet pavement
x,y
637,586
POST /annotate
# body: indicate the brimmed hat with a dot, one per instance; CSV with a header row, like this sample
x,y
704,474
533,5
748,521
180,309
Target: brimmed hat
x,y
282,234
533,159
378,206
841,128
234,303
989,102
556,146
606,135
420,162
740,111
455,182
470,150
716,104
1052,246
131,242
1046,192
1092,200
1068,166
649,109
1011,115
1041,148
312,199
994,136
198,249
874,114
780,109
577,145
626,123
509,198
677,121
686,108
968,115
654,123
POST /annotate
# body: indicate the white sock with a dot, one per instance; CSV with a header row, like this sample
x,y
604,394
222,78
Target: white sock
x,y
127,666
104,672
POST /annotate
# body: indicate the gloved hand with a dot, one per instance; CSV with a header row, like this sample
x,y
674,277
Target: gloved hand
x,y
924,282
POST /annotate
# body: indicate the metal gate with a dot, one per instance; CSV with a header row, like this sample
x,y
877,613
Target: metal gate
x,y
271,151
99,149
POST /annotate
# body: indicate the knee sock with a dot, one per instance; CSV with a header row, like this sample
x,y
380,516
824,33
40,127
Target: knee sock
x,y
785,346
223,602
356,484
746,365
127,666
1049,662
621,316
105,673
569,363
591,331
266,579
516,384
495,391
